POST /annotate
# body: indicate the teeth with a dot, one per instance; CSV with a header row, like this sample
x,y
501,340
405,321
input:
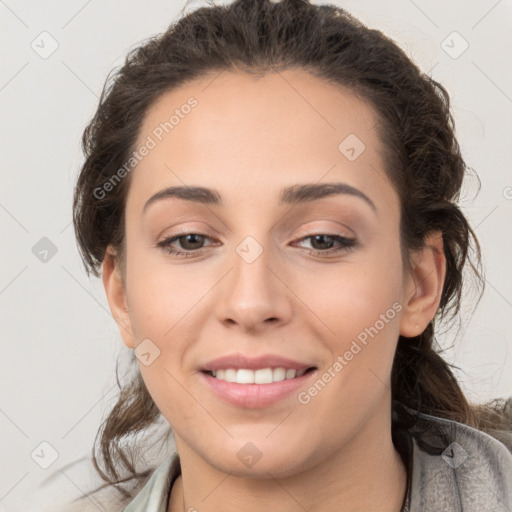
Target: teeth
x,y
278,374
290,374
245,376
261,376
229,375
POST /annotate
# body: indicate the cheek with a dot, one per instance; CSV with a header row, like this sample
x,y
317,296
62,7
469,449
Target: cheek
x,y
362,309
165,303
361,306
353,297
162,309
161,296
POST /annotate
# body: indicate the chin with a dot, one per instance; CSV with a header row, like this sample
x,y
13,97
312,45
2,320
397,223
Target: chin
x,y
262,470
250,462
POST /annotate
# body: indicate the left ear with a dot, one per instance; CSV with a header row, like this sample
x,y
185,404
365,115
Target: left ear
x,y
424,285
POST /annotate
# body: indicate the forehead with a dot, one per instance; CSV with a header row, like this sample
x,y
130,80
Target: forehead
x,y
250,135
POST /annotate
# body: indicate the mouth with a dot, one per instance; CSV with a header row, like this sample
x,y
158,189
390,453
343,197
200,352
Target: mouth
x,y
255,382
267,375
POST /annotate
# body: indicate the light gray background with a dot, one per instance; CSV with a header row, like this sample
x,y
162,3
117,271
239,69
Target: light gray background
x,y
59,341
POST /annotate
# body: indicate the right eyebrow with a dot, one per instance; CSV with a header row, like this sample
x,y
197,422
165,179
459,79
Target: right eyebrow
x,y
198,194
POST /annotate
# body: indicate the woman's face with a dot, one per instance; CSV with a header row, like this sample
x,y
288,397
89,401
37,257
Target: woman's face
x,y
264,274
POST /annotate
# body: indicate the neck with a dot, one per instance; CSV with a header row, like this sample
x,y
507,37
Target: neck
x,y
366,472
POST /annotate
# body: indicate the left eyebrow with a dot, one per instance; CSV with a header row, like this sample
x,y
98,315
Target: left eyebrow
x,y
289,195
311,192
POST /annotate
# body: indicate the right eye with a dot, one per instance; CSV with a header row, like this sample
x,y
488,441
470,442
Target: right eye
x,y
191,243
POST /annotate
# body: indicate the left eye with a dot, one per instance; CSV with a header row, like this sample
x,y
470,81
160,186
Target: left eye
x,y
324,243
191,243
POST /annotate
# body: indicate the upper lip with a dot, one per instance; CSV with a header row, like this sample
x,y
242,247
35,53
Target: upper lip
x,y
238,361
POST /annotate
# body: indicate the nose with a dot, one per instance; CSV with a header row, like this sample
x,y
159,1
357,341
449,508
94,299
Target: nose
x,y
254,295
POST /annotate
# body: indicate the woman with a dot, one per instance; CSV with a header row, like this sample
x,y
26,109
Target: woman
x,y
269,194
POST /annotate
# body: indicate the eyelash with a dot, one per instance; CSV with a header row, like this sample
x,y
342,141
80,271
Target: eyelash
x,y
347,244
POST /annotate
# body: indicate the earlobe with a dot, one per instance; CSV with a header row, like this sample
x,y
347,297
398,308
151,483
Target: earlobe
x,y
424,286
116,295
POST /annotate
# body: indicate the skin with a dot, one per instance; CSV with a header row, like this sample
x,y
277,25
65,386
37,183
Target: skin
x,y
248,138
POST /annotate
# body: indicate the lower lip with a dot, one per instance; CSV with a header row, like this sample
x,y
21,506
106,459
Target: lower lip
x,y
254,396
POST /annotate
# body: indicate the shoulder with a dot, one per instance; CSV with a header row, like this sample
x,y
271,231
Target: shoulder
x,y
154,495
458,468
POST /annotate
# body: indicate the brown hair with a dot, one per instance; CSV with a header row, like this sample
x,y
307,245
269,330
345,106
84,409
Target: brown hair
x,y
423,161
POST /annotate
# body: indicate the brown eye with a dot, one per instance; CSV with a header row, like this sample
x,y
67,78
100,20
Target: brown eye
x,y
325,244
190,243
322,242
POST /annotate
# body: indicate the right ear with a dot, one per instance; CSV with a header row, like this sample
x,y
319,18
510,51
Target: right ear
x,y
116,295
